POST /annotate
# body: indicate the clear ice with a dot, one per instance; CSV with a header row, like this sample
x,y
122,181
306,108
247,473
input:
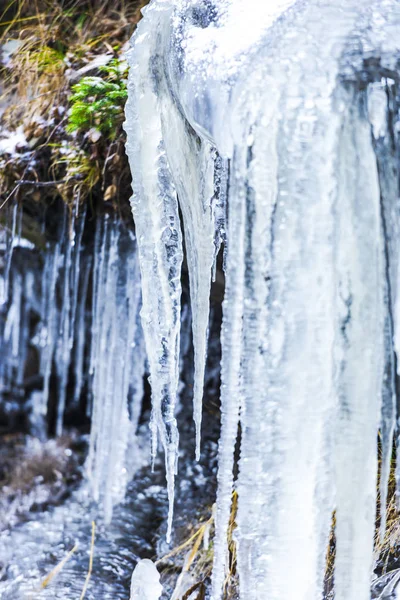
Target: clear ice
x,y
299,103
145,583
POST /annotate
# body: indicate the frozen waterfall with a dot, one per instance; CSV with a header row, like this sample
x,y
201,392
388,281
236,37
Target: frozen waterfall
x,y
284,115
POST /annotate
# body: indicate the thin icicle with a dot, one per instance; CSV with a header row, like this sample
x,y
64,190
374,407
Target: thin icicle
x,y
80,329
230,370
62,356
68,310
50,318
103,344
10,239
74,282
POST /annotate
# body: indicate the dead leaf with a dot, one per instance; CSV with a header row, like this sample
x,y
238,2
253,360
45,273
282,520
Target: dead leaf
x,y
110,192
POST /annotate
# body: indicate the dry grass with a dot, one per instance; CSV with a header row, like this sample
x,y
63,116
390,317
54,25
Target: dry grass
x,y
47,580
195,555
386,549
58,42
89,573
54,41
35,475
196,558
59,567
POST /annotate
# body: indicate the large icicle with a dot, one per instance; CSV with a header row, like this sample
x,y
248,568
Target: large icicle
x,y
155,209
192,164
361,276
380,110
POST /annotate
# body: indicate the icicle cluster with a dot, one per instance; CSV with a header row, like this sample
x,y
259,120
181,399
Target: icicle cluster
x,y
117,363
46,317
49,305
298,101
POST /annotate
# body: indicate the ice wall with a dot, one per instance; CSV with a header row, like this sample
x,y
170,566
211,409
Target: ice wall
x,y
298,101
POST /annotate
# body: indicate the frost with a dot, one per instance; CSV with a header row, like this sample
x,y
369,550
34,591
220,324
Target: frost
x,y
10,141
298,102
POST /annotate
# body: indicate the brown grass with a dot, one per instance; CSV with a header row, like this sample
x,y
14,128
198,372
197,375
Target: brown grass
x,y
56,40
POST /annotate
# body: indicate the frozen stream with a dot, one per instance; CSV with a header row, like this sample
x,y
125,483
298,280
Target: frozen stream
x,y
32,550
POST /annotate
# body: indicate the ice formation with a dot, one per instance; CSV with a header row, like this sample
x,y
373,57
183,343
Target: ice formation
x,y
117,364
295,105
98,351
145,583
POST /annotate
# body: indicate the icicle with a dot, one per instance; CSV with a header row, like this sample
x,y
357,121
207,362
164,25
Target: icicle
x,y
12,334
77,245
129,372
80,329
192,165
50,317
102,345
8,254
230,369
100,259
69,303
361,294
62,357
155,211
145,583
118,366
378,103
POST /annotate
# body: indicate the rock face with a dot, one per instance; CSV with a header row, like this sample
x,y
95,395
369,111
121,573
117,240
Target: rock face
x,y
289,109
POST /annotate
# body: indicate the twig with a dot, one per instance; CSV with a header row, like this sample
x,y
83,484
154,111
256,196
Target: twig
x,y
33,184
89,573
199,532
10,195
58,568
40,183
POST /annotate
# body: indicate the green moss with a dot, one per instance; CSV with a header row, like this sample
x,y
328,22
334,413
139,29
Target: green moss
x,y
98,102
